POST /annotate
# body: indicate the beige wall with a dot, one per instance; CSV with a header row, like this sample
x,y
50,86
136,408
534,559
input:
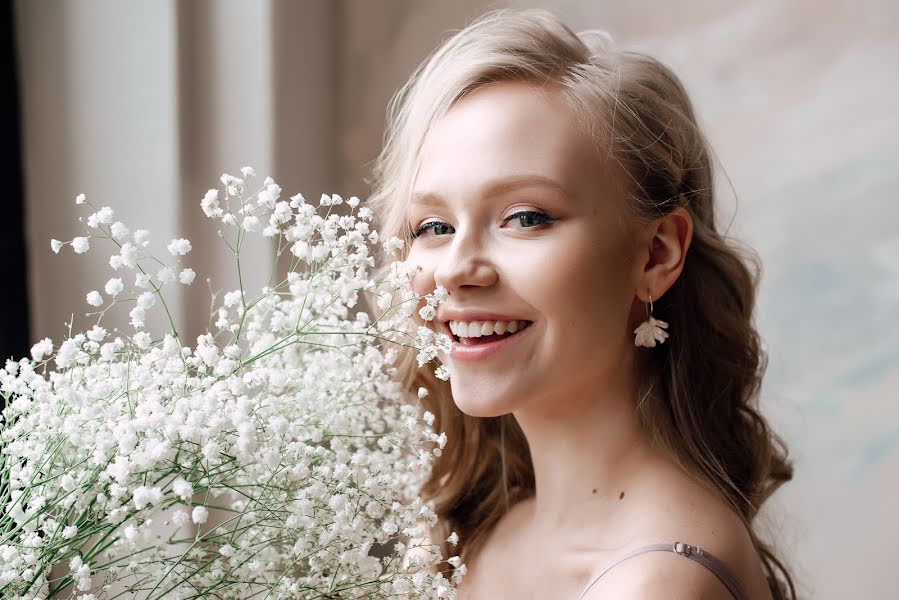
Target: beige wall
x,y
143,104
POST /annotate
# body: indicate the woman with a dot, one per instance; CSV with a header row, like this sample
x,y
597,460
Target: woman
x,y
601,406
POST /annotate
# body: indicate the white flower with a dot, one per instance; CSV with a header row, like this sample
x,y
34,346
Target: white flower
x,y
96,333
248,172
281,214
94,298
105,215
165,275
453,538
393,245
137,315
114,286
422,392
182,488
385,299
441,373
428,313
142,340
80,199
67,351
128,255
251,223
199,515
55,245
130,533
42,349
210,204
187,276
180,518
227,179
80,245
69,532
649,332
234,185
144,496
179,246
353,202
146,300
269,195
119,231
142,238
232,298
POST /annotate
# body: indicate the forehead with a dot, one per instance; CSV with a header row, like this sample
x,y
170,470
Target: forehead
x,y
503,130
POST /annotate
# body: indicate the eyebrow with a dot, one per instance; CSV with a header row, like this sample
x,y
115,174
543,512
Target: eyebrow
x,y
497,187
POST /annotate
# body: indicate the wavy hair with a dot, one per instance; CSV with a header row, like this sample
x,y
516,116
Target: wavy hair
x,y
699,392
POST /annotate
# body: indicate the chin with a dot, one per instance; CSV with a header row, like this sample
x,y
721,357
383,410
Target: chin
x,y
482,405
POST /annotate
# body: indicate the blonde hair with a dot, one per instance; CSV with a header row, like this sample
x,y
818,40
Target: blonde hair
x,y
699,391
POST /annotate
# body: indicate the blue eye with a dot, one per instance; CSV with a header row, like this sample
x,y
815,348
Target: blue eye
x,y
528,219
435,225
530,215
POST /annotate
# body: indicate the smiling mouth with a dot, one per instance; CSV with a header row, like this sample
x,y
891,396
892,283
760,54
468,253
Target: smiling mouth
x,y
485,339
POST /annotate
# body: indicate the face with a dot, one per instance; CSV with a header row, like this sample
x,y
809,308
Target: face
x,y
517,217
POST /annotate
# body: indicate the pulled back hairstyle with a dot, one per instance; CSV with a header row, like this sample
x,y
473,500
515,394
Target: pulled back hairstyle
x,y
698,393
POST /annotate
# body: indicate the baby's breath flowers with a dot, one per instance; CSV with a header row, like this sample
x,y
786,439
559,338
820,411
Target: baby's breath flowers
x,y
276,457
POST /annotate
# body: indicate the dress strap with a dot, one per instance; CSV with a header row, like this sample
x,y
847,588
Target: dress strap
x,y
696,553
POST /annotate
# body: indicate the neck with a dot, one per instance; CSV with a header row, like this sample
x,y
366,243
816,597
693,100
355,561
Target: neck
x,y
588,451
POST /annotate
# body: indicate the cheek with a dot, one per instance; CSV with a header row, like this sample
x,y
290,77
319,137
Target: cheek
x,y
589,292
423,276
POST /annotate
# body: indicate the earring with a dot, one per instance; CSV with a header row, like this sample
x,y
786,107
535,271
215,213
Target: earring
x,y
650,330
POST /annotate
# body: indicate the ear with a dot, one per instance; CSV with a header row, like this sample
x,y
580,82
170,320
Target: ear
x,y
669,238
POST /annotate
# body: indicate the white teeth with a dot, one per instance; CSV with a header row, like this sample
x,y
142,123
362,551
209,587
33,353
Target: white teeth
x,y
473,329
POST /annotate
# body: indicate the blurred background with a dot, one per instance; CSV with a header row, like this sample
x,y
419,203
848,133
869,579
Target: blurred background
x,y
143,104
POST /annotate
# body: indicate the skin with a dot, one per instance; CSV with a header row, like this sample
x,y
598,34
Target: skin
x,y
583,277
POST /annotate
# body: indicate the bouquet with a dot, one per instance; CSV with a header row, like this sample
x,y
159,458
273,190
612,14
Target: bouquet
x,y
275,458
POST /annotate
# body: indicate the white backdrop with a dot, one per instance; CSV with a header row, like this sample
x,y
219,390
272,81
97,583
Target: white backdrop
x,y
143,104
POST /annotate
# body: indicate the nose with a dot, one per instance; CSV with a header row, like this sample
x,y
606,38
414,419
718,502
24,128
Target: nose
x,y
466,263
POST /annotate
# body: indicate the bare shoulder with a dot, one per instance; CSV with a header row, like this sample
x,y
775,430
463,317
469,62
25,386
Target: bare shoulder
x,y
682,510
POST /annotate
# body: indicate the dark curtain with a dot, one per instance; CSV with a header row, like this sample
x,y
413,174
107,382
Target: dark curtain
x,y
13,268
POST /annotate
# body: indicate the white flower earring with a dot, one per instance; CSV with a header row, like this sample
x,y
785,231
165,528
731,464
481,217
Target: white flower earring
x,y
650,330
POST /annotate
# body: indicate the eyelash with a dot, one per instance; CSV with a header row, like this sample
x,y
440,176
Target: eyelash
x,y
547,219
